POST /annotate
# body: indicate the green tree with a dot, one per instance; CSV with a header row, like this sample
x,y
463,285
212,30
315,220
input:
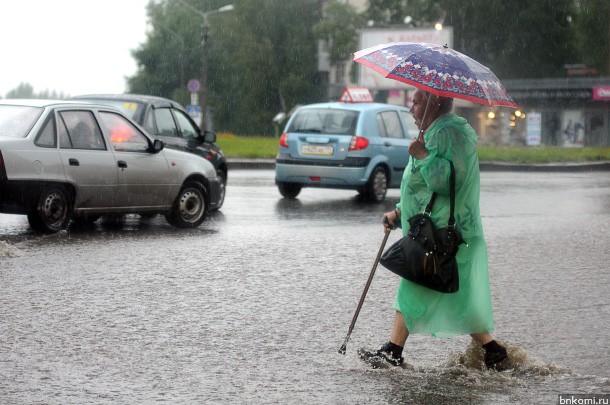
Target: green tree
x,y
339,28
263,61
387,12
171,54
593,34
261,58
540,42
26,90
516,39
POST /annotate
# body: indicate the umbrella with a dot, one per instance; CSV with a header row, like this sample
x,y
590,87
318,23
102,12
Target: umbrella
x,y
436,69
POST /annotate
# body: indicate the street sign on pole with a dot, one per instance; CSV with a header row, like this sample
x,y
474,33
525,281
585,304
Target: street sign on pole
x,y
195,112
193,85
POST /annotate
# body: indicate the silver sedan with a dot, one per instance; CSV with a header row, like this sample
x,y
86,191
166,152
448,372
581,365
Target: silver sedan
x,y
69,160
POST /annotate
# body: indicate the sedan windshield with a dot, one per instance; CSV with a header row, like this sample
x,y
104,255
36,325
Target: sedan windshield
x,y
17,120
325,121
129,108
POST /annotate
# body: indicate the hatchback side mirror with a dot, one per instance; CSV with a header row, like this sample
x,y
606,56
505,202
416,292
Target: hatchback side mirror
x,y
209,137
158,146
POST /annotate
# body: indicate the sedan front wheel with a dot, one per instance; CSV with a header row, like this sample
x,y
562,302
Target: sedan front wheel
x,y
190,208
222,186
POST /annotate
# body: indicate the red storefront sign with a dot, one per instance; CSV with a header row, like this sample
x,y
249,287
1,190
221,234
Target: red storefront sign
x,y
601,93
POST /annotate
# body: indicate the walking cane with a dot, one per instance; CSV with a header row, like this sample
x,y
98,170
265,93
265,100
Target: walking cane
x,y
343,348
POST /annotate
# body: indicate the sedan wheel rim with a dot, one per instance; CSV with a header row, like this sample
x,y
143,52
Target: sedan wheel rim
x,y
191,206
54,209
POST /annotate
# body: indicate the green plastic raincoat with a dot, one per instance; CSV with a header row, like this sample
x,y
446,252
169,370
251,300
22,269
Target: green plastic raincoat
x,y
469,310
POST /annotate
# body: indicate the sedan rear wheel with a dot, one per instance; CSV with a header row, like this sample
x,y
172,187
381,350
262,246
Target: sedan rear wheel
x,y
190,207
53,210
377,186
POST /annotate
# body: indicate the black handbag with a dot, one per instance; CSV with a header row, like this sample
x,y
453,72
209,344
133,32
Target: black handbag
x,y
426,255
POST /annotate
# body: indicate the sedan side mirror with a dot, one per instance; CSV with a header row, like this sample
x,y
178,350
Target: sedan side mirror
x,y
158,146
209,137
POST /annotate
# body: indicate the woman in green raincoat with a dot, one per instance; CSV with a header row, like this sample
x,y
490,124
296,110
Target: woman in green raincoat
x,y
443,137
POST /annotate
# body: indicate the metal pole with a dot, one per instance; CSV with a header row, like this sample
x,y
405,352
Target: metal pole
x,y
204,58
204,74
204,62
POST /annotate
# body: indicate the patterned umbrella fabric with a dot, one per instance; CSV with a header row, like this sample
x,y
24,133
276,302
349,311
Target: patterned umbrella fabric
x,y
437,69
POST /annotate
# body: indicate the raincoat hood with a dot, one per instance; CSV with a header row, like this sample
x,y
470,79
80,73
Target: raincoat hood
x,y
457,123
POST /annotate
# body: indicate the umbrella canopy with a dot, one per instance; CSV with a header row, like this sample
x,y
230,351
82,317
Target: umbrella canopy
x,y
437,69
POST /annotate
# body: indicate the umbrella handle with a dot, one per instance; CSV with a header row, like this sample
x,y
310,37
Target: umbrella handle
x,y
421,131
343,348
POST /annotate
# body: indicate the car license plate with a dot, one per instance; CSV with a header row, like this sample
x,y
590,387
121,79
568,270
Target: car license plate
x,y
321,150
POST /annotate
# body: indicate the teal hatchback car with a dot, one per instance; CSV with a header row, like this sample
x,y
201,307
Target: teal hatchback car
x,y
347,145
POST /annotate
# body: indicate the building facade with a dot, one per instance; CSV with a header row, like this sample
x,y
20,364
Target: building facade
x,y
573,111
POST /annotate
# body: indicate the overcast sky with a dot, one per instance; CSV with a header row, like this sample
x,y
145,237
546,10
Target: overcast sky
x,y
70,46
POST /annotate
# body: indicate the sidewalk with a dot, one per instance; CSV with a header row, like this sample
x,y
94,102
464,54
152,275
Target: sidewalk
x,y
544,167
269,164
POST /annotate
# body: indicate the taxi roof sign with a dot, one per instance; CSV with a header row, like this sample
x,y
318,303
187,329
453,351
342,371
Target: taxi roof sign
x,y
356,95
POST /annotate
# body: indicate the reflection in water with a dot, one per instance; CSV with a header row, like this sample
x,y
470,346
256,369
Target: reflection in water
x,y
333,209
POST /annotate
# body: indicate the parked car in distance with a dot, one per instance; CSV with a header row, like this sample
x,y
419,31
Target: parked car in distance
x,y
69,160
349,145
168,121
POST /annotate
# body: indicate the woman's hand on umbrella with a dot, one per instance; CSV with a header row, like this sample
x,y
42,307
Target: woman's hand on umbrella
x,y
417,149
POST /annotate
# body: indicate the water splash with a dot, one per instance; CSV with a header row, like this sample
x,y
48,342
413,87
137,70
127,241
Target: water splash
x,y
8,250
519,361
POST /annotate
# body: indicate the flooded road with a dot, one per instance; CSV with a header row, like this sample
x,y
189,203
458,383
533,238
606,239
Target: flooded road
x,y
252,306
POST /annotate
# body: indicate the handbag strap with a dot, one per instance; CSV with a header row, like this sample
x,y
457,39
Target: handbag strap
x,y
451,223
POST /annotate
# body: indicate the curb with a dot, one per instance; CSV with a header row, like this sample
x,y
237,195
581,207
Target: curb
x,y
269,164
543,167
238,163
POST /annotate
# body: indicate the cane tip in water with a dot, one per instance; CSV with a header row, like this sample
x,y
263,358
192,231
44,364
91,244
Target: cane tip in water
x,y
343,349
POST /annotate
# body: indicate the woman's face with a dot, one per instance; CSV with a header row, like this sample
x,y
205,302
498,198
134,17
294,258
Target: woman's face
x,y
418,108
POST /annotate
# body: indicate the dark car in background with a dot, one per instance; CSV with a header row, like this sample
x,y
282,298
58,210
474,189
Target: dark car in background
x,y
168,121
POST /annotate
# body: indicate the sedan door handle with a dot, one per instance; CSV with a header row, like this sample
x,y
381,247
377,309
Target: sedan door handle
x,y
387,144
122,164
73,162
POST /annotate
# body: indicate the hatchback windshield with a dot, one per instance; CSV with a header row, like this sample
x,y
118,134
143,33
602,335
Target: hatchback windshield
x,y
325,121
17,120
